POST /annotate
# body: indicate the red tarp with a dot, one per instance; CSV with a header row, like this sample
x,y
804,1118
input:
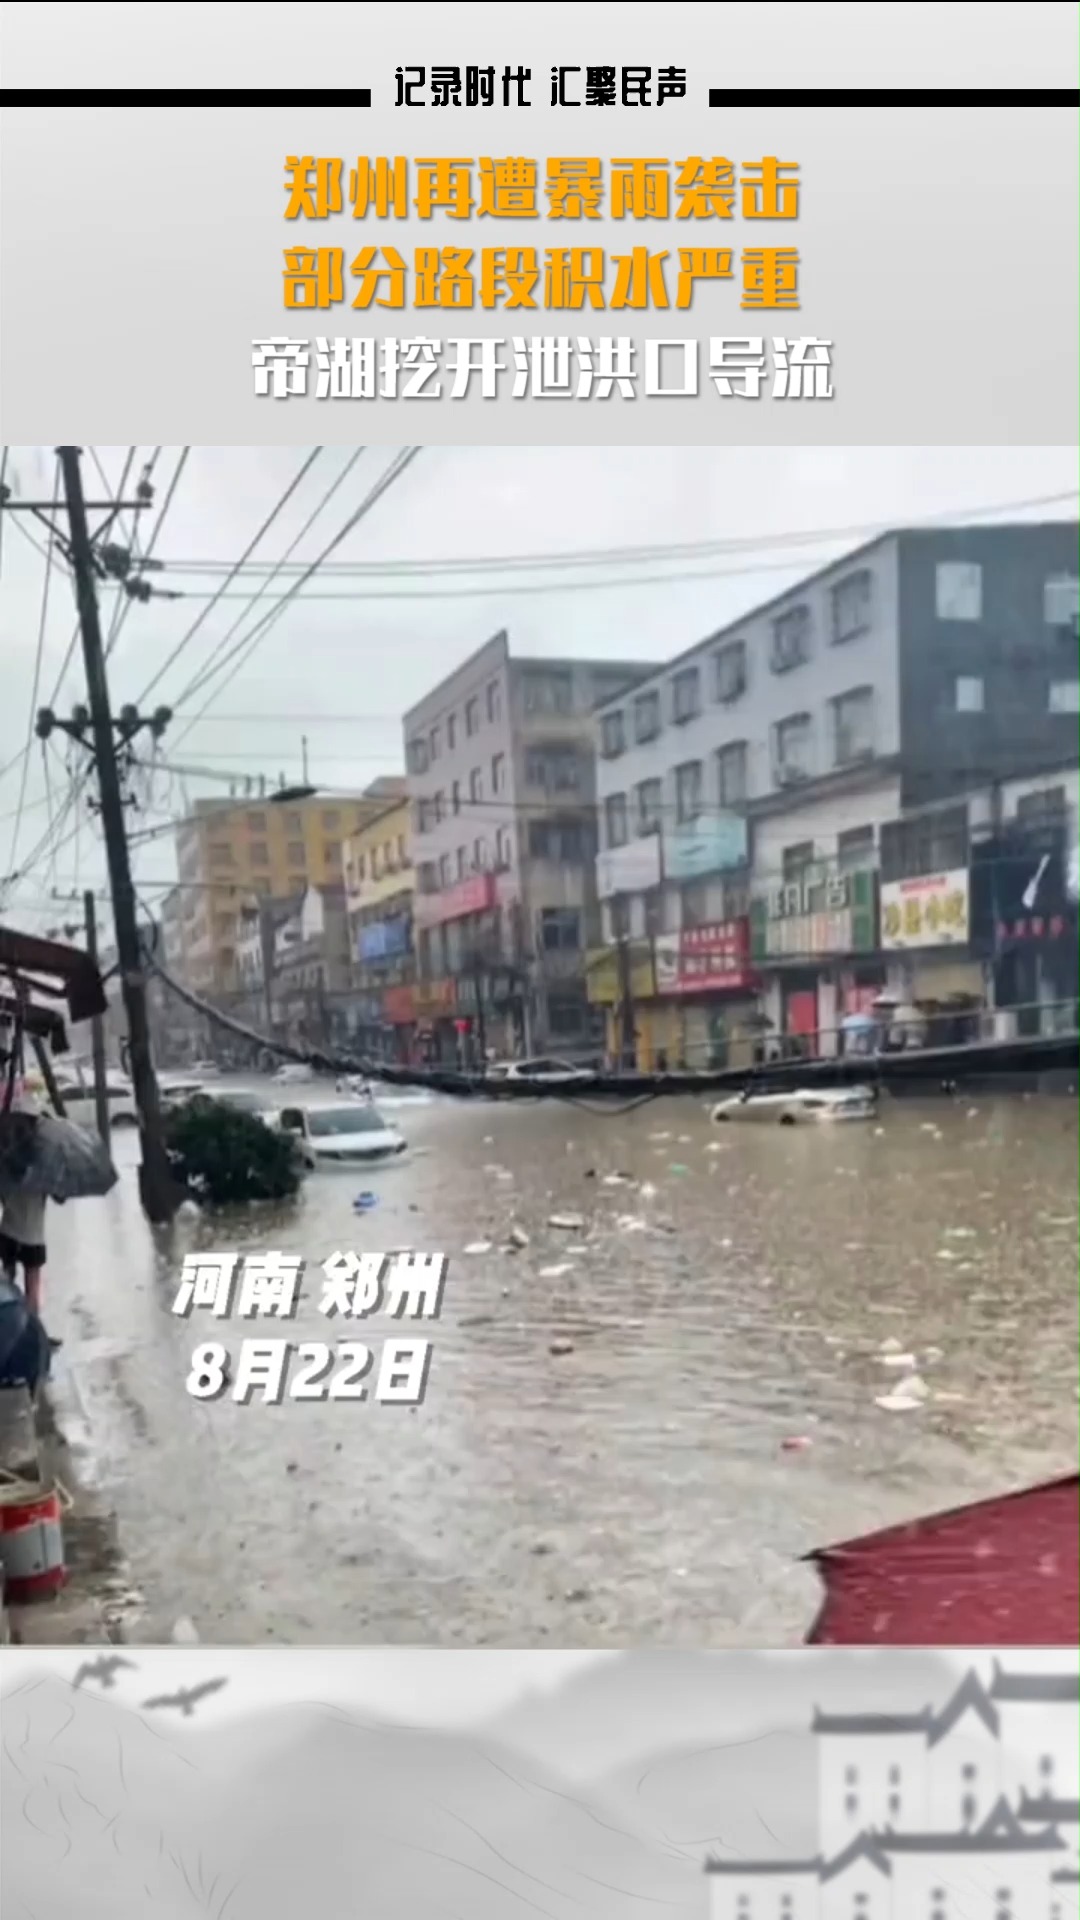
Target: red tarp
x,y
1001,1573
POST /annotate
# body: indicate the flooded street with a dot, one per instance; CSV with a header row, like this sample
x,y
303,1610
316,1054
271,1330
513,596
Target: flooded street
x,y
632,1486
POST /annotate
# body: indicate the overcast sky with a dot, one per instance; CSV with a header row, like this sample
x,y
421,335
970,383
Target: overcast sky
x,y
342,670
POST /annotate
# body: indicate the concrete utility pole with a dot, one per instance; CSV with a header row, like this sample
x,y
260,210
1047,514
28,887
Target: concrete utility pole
x,y
97,1026
157,1188
628,1049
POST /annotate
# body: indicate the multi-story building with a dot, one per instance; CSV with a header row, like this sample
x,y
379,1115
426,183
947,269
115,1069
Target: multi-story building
x,y
502,781
231,852
310,983
379,899
859,731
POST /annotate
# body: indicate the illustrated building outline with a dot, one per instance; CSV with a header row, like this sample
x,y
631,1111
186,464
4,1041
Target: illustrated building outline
x,y
966,1812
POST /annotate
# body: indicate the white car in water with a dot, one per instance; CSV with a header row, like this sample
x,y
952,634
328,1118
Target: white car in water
x,y
75,1085
546,1072
346,1134
806,1107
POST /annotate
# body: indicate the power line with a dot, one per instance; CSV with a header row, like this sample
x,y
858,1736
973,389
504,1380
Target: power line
x,y
245,648
127,603
331,490
636,553
38,656
188,637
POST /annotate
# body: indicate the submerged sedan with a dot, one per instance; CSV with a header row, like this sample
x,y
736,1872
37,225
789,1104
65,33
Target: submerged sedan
x,y
802,1108
348,1134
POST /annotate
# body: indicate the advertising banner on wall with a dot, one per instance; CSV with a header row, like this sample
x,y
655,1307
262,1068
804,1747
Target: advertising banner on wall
x,y
933,911
818,916
697,848
700,959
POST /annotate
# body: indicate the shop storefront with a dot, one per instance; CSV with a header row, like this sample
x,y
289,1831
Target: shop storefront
x,y
705,976
1025,918
814,941
435,1007
399,1018
604,968
927,936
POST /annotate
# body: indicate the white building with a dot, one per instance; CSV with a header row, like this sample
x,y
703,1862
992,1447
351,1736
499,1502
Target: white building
x,y
968,1812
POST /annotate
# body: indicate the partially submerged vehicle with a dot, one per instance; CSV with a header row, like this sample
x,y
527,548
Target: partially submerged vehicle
x,y
803,1107
342,1135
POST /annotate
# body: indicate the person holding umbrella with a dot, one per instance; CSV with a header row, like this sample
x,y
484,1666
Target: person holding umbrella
x,y
22,1243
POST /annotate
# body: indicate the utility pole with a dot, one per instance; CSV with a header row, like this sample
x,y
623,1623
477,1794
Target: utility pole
x,y
156,1186
628,1049
97,1025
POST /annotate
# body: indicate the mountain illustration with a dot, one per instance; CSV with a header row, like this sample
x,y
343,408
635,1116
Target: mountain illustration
x,y
651,1703
298,1808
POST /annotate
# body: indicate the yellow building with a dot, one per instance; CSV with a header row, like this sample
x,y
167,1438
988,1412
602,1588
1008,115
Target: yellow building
x,y
231,852
379,889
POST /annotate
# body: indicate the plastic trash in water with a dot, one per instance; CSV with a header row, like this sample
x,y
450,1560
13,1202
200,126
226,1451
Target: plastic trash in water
x,y
479,1246
364,1202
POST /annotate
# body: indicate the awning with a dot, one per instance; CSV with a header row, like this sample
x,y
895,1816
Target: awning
x,y
1000,1573
69,973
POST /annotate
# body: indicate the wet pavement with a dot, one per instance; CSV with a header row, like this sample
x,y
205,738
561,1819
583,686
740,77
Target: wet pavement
x,y
604,1455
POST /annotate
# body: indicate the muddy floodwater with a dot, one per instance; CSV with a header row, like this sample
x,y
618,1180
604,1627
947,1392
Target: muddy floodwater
x,y
603,1457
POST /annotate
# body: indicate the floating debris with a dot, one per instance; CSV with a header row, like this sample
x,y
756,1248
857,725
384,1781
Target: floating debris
x,y
898,1360
556,1273
479,1246
560,1347
796,1443
517,1238
566,1222
364,1202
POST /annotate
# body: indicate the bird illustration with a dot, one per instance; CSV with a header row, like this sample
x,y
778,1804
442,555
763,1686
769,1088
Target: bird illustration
x,y
185,1699
103,1669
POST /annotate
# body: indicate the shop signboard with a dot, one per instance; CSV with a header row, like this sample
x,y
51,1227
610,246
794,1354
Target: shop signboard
x,y
399,1006
696,848
931,911
473,895
434,999
603,980
634,868
706,959
825,914
383,940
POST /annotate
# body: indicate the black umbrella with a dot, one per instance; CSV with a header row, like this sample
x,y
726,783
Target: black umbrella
x,y
52,1159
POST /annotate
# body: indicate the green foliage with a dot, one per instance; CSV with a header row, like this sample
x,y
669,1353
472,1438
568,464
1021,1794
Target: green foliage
x,y
224,1157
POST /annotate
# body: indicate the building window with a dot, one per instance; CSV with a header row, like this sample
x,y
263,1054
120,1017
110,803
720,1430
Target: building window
x,y
688,791
472,717
615,829
462,862
958,591
439,806
569,841
851,1805
1046,1771
418,756
794,863
1064,696
331,821
451,732
455,796
555,769
790,639
480,855
793,749
331,853
476,784
646,717
297,883
549,692
613,734
851,605
256,822
560,929
444,870
854,852
504,849
1003,1904
853,726
260,853
969,693
685,695
648,806
1044,808
729,669
969,1807
294,853
731,774
894,1806
494,701
934,842
498,772
1061,602
938,1910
